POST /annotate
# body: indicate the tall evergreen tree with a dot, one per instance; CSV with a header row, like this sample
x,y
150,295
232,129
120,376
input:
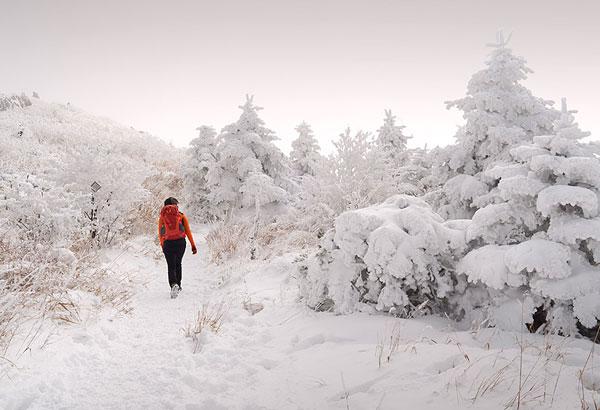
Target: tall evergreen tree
x,y
500,114
247,157
541,233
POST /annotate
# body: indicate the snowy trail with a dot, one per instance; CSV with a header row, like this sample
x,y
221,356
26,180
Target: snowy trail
x,y
142,360
285,357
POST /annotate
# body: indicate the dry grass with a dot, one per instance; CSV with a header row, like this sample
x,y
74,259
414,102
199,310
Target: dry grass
x,y
581,382
388,344
230,239
208,317
226,240
36,285
529,377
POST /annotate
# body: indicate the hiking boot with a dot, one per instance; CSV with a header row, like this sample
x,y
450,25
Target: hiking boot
x,y
174,291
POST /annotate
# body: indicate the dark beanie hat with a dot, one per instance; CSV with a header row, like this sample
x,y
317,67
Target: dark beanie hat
x,y
171,201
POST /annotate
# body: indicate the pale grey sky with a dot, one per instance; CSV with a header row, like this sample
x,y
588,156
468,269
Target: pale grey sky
x,y
169,66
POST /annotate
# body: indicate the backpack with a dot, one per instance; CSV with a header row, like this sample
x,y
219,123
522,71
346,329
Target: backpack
x,y
172,227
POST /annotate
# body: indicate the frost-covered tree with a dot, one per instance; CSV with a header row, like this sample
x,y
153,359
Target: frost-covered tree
x,y
244,149
390,144
500,114
359,173
537,241
305,156
403,170
350,156
352,180
201,157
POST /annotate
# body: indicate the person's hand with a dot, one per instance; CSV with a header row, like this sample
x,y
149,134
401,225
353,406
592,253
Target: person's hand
x,y
194,250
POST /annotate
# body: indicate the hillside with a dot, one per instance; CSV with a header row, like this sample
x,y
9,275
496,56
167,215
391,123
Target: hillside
x,y
54,225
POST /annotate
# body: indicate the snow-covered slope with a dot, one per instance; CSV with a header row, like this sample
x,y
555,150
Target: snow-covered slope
x,y
51,221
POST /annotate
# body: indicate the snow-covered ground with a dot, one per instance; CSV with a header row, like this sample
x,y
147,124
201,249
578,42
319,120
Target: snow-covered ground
x,y
285,356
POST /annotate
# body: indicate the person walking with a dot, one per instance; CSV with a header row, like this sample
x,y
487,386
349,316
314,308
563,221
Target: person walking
x,y
173,227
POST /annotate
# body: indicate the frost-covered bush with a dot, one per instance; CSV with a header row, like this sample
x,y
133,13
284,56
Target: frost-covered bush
x,y
354,176
536,236
14,101
393,256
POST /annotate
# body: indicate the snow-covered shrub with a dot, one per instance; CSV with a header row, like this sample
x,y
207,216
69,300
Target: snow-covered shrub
x,y
500,114
393,256
14,101
536,241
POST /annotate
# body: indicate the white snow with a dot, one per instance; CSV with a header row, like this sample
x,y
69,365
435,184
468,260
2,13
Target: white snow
x,y
376,251
569,229
571,170
548,259
486,264
520,185
587,309
283,357
550,198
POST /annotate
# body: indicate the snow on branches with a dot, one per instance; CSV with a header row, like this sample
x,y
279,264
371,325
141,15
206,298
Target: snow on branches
x,y
542,233
500,114
246,158
392,256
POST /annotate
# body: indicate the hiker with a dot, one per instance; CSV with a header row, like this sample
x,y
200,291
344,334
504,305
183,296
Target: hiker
x,y
173,227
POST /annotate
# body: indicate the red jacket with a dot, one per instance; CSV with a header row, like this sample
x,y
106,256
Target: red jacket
x,y
186,226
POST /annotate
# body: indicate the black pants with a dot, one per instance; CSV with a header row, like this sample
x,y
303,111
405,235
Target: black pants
x,y
174,251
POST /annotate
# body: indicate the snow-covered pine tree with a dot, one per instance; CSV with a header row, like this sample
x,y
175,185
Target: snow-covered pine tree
x,y
390,144
500,114
201,157
537,247
305,156
401,169
415,176
244,149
